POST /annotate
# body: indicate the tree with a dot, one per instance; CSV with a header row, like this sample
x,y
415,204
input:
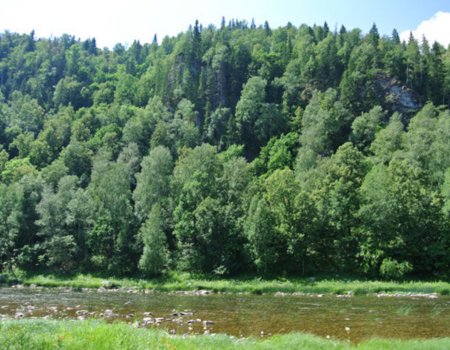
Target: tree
x,y
395,37
22,143
125,92
27,192
69,91
440,154
104,93
77,158
40,154
393,57
215,78
216,127
11,217
420,136
111,238
436,73
25,113
400,217
202,241
183,131
234,192
153,182
327,72
266,246
257,121
4,156
195,189
365,127
388,140
92,139
445,190
155,256
278,153
209,207
325,123
332,191
413,65
373,37
280,193
139,128
357,85
60,250
16,169
131,158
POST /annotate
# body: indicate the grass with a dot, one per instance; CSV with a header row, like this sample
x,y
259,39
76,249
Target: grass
x,y
185,282
97,335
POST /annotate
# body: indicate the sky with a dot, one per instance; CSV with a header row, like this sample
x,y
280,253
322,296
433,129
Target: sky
x,y
120,21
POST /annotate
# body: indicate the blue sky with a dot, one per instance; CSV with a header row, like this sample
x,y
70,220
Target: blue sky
x,y
112,21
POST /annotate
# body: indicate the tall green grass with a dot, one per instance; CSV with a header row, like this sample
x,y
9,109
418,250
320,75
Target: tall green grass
x,y
97,335
185,282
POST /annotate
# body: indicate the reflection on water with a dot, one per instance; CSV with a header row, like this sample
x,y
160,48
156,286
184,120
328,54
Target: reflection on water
x,y
355,318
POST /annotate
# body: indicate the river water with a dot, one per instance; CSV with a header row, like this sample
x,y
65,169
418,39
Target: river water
x,y
347,318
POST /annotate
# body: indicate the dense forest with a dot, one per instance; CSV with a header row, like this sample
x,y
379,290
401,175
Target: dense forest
x,y
226,150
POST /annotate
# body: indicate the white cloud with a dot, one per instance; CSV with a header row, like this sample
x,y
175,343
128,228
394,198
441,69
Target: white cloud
x,y
437,28
114,21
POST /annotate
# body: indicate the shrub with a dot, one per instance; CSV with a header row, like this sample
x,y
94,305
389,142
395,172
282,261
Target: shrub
x,y
391,268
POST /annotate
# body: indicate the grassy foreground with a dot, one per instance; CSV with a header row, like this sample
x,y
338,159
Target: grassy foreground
x,y
184,282
97,335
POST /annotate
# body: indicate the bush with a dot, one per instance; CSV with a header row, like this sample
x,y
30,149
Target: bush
x,y
391,268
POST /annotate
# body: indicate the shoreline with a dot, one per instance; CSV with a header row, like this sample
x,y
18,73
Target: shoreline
x,y
203,292
184,284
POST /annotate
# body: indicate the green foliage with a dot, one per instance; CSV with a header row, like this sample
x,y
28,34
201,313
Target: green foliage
x,y
365,127
277,154
282,150
266,243
111,238
324,123
155,256
10,221
208,210
257,121
16,169
69,91
153,182
77,158
194,179
59,245
393,269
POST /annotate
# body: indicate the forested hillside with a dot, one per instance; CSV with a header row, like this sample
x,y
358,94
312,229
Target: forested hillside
x,y
239,149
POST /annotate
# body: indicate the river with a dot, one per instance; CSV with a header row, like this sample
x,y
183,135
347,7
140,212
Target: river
x,y
343,317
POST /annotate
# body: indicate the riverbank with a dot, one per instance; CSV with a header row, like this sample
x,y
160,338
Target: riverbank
x,y
97,335
179,282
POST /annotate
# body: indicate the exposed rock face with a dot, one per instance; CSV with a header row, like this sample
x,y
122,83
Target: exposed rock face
x,y
397,97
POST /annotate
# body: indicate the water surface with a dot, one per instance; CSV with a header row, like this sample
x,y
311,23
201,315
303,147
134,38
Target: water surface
x,y
353,318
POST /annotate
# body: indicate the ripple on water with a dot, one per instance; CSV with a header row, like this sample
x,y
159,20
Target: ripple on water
x,y
350,317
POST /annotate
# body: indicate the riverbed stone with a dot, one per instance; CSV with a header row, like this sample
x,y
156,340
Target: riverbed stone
x,y
81,312
204,292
